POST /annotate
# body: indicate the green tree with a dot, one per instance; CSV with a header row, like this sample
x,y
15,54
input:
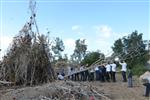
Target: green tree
x,y
80,51
91,57
58,47
132,49
118,46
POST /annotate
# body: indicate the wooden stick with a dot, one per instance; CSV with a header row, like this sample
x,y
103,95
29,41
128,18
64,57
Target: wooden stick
x,y
5,82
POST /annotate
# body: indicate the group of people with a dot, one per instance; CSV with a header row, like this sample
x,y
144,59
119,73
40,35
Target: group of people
x,y
104,72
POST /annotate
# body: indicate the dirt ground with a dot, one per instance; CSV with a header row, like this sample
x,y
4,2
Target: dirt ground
x,y
120,90
114,91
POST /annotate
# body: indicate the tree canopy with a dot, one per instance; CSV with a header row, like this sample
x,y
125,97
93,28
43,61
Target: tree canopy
x,y
80,51
132,49
58,47
91,57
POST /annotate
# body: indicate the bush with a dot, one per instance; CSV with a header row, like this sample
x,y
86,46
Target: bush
x,y
138,69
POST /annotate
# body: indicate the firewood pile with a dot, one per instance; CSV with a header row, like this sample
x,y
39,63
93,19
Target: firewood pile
x,y
28,58
59,90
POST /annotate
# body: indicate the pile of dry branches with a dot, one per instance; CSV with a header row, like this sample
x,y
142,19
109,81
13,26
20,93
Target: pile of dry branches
x,y
60,90
27,61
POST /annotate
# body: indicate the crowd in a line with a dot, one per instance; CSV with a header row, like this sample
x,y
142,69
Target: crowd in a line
x,y
104,73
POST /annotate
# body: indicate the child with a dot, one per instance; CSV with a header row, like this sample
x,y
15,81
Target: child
x,y
130,78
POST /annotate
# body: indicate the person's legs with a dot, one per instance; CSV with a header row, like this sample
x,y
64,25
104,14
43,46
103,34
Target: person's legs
x,y
103,78
147,92
92,76
124,76
129,82
72,77
114,76
97,75
107,76
111,75
100,76
81,76
77,76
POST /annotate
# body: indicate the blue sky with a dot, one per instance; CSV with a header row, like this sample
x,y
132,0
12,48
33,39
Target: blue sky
x,y
99,22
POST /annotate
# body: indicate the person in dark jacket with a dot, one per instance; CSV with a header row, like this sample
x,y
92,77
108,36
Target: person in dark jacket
x,y
147,88
97,73
103,73
100,73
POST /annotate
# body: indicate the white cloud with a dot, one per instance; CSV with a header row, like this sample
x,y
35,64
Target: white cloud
x,y
69,43
77,29
106,37
104,31
121,35
69,46
5,41
105,46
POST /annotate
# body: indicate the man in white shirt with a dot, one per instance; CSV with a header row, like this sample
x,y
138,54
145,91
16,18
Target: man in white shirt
x,y
113,65
123,70
69,72
108,71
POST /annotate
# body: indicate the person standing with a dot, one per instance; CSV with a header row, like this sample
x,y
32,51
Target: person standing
x,y
86,75
97,73
113,72
130,78
100,72
69,72
123,70
147,87
103,73
92,74
72,74
82,73
108,72
76,74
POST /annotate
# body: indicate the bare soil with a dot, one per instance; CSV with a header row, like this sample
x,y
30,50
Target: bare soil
x,y
68,90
